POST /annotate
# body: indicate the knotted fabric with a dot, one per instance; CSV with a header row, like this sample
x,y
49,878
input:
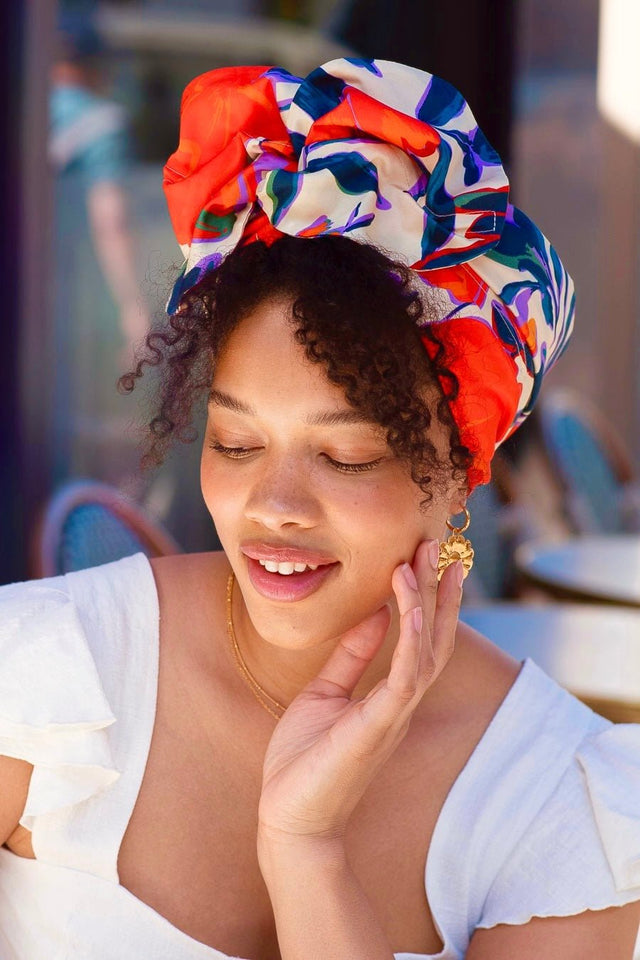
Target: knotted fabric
x,y
390,156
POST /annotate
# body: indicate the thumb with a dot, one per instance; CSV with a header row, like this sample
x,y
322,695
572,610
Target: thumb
x,y
354,652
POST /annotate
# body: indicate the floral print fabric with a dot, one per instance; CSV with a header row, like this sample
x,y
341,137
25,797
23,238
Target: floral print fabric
x,y
390,156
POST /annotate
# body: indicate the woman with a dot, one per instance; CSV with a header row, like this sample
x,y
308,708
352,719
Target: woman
x,y
301,724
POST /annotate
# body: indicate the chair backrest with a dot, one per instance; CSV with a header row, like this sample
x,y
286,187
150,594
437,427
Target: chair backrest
x,y
88,523
589,459
496,529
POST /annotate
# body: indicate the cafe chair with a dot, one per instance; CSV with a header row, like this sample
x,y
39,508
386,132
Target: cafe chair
x,y
599,491
86,523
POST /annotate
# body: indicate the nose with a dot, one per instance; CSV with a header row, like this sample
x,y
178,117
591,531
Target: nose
x,y
283,496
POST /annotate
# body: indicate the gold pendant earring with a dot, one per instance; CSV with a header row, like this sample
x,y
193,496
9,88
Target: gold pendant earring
x,y
456,547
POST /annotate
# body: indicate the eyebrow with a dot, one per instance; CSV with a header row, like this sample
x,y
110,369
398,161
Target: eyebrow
x,y
324,418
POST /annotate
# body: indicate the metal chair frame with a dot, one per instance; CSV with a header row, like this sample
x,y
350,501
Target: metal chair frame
x,y
49,529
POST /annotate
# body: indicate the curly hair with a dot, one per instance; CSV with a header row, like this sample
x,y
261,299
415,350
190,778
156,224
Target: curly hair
x,y
354,311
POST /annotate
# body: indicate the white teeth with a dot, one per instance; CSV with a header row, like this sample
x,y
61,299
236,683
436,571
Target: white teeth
x,y
272,566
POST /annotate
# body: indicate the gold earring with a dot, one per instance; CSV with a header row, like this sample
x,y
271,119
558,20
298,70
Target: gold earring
x,y
456,547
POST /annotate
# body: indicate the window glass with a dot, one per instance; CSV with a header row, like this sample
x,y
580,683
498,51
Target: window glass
x,y
116,82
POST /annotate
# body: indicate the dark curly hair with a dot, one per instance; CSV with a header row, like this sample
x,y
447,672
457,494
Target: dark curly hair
x,y
354,310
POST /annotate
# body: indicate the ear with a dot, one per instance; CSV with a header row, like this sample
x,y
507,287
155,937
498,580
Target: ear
x,y
457,500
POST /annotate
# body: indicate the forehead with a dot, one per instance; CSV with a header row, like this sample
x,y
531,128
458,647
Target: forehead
x,y
269,324
263,372
262,354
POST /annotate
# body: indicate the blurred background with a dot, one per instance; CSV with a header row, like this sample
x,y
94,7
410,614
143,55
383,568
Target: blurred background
x,y
92,93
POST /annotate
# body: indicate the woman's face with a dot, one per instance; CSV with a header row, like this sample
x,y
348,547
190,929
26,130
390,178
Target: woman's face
x,y
295,480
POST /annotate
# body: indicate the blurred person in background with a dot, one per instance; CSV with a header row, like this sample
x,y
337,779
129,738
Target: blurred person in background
x,y
100,313
89,137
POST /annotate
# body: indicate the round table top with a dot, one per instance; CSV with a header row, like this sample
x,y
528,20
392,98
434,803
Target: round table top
x,y
602,568
593,651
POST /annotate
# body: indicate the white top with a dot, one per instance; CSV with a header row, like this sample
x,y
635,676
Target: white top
x,y
544,819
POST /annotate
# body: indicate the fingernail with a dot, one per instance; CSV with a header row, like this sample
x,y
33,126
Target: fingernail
x,y
459,572
410,576
434,553
417,619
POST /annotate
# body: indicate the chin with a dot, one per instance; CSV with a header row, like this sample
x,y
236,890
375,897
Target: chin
x,y
291,630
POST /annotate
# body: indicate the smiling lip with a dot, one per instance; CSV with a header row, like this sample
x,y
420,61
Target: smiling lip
x,y
285,554
282,587
287,588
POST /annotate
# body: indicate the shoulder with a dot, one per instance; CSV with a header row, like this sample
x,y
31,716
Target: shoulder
x,y
579,848
549,808
191,584
187,579
190,571
50,629
543,819
62,663
192,590
462,704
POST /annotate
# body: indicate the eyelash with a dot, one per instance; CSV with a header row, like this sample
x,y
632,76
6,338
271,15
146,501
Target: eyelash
x,y
236,453
239,453
352,467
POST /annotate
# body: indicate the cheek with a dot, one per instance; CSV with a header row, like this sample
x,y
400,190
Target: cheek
x,y
383,530
219,491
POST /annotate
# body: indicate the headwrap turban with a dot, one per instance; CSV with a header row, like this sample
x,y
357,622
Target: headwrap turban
x,y
393,157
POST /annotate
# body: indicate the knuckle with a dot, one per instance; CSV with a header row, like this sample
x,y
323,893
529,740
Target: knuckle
x,y
405,691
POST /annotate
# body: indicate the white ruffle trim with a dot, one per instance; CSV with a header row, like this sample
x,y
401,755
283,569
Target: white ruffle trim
x,y
582,850
53,710
611,764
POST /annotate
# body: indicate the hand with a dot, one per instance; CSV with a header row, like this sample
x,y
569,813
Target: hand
x,y
327,747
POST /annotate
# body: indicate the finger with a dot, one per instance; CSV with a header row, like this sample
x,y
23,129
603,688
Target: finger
x,y
425,567
437,652
403,671
352,656
388,701
387,709
405,587
402,681
420,655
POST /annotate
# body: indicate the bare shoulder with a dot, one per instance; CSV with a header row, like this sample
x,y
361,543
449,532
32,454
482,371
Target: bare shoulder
x,y
481,672
192,599
186,578
182,568
471,688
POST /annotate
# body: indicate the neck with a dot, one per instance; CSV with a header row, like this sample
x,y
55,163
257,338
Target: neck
x,y
283,673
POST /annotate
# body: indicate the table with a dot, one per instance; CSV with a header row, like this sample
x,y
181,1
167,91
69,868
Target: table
x,y
591,650
605,569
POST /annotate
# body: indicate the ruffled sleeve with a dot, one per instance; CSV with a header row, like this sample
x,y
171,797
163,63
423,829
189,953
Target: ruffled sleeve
x,y
582,850
611,766
53,710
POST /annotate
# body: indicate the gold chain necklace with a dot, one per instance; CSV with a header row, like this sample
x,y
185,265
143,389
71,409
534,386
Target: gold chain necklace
x,y
261,695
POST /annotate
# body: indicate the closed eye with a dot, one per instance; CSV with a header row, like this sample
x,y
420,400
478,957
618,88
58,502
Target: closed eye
x,y
353,467
240,453
235,453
